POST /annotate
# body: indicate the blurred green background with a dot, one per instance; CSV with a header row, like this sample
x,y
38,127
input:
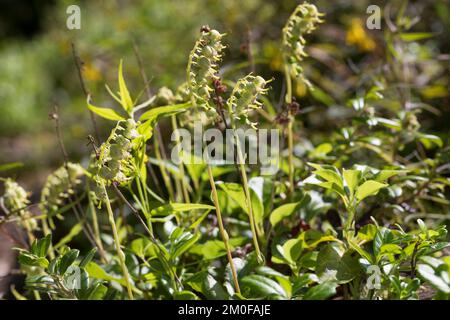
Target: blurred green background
x,y
37,67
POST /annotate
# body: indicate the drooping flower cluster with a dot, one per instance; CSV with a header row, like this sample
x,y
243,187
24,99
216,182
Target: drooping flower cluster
x,y
59,186
302,21
244,97
203,66
113,163
15,197
15,201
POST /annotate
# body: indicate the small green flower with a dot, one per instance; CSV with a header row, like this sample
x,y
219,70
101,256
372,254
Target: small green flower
x,y
15,196
203,66
59,186
302,21
244,97
114,162
15,201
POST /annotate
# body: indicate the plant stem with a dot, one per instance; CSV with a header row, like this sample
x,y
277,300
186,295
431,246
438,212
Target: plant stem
x,y
248,198
180,166
349,224
222,230
291,157
96,229
288,99
120,253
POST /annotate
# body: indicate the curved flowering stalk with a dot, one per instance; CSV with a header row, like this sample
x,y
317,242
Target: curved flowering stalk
x,y
15,201
114,165
201,71
59,186
301,22
114,161
203,66
243,99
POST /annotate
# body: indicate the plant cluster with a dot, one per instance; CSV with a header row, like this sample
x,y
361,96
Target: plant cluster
x,y
359,215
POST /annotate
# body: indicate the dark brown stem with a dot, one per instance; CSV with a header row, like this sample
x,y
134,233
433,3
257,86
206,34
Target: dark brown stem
x,y
87,230
78,64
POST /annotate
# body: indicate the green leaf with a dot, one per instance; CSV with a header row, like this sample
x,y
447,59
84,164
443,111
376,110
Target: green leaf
x,y
321,291
11,165
185,295
429,140
262,287
429,274
361,251
352,177
382,237
204,283
97,272
236,192
282,212
213,249
330,176
88,257
390,248
291,250
67,259
182,243
28,259
40,247
171,208
106,113
143,248
383,175
153,114
126,101
389,123
345,266
415,36
369,188
149,118
97,292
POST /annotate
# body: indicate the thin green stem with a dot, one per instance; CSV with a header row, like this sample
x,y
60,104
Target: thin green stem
x,y
288,99
222,230
120,253
96,228
180,166
349,223
241,165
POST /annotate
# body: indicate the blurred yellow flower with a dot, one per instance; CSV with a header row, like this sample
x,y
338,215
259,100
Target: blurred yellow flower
x,y
91,72
356,35
300,88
